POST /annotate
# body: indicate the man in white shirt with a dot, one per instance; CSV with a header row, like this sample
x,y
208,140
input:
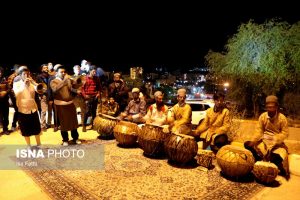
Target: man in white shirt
x,y
157,112
28,118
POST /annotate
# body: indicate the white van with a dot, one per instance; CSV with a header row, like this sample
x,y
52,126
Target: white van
x,y
199,108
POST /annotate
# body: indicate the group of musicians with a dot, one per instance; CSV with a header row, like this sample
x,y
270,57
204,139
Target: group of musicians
x,y
55,89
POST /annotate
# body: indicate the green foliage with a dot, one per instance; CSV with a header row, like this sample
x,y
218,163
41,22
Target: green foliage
x,y
259,58
235,115
292,105
168,91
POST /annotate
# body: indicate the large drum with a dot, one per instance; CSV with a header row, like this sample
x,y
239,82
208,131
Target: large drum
x,y
126,133
180,148
294,163
104,125
265,172
151,140
235,161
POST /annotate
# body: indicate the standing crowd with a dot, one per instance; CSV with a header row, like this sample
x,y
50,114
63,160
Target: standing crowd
x,y
54,95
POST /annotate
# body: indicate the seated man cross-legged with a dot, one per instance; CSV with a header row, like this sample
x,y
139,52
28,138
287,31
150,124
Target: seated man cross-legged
x,y
267,143
215,126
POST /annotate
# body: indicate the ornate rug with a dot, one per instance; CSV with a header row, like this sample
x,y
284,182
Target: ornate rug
x,y
128,174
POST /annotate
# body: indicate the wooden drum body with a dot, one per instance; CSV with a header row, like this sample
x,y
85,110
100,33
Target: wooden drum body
x,y
294,163
151,140
126,133
265,172
180,148
104,125
235,161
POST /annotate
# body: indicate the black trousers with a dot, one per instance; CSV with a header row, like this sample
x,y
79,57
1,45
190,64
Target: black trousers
x,y
65,135
4,112
91,108
220,141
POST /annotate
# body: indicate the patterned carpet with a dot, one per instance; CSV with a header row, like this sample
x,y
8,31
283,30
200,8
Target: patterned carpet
x,y
129,174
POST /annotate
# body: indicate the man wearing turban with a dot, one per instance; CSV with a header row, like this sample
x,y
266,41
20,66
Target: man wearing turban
x,y
180,115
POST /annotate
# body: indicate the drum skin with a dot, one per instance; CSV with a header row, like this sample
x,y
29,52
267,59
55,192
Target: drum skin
x,y
235,161
180,148
294,163
126,133
265,172
151,140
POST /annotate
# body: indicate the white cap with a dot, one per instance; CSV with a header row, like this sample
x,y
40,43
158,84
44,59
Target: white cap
x,y
117,74
135,90
181,91
56,66
21,69
158,93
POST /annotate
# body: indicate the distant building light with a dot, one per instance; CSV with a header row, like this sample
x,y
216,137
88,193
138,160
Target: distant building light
x,y
226,84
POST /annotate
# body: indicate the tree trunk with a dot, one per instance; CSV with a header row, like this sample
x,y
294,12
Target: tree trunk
x,y
255,104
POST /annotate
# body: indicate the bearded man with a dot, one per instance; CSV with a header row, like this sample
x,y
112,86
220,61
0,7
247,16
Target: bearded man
x,y
157,112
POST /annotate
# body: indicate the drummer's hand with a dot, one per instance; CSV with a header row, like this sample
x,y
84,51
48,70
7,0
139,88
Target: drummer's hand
x,y
166,129
271,140
129,118
110,113
148,121
259,153
123,115
268,137
194,133
250,144
120,117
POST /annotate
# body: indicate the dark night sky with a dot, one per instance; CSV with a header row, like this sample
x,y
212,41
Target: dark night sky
x,y
118,37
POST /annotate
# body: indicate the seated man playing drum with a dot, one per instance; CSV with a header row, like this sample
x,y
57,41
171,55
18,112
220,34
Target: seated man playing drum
x,y
112,107
267,143
215,126
109,107
136,108
180,115
157,112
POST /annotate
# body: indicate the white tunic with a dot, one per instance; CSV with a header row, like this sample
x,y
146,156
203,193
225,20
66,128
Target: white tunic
x,y
25,97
